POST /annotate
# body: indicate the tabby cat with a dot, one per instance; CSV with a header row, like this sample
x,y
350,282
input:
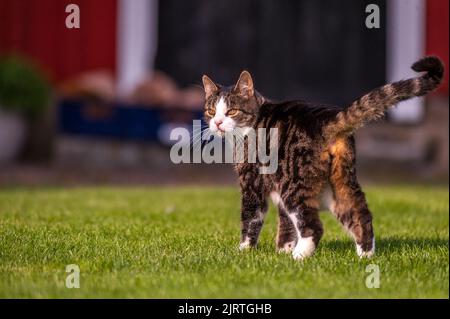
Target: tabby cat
x,y
316,148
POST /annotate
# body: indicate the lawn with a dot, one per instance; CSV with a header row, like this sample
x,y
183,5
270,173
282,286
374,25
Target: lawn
x,y
182,243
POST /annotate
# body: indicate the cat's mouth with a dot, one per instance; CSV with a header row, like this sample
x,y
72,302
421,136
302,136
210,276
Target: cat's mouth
x,y
221,132
238,130
221,129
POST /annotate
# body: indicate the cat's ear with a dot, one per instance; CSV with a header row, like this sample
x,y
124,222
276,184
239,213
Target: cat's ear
x,y
209,85
244,85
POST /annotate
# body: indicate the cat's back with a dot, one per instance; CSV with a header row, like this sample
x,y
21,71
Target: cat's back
x,y
299,114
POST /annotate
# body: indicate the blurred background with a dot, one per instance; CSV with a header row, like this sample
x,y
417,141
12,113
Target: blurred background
x,y
95,104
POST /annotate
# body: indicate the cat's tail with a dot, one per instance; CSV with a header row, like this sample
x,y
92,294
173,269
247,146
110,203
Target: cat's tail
x,y
373,105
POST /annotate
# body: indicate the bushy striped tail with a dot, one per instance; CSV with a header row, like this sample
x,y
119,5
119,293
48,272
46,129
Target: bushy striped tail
x,y
373,105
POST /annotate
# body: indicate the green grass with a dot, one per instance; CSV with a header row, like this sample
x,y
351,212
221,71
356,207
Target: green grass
x,y
182,243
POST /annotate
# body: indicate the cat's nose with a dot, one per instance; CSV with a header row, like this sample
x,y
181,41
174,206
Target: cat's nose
x,y
218,122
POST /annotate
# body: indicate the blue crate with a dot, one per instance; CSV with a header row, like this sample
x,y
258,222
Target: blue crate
x,y
120,121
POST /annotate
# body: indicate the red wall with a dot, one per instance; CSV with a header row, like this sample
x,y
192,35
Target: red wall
x,y
37,28
437,34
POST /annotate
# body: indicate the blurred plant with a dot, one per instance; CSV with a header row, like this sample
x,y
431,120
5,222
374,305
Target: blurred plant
x,y
23,87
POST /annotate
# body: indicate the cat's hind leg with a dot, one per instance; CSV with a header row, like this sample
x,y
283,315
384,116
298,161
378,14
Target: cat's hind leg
x,y
349,205
304,215
286,234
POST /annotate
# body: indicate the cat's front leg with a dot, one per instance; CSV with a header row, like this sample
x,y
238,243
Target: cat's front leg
x,y
253,211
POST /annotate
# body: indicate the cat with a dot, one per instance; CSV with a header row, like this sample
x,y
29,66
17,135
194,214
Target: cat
x,y
316,148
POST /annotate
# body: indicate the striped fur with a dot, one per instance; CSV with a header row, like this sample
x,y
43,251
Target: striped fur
x,y
315,149
373,105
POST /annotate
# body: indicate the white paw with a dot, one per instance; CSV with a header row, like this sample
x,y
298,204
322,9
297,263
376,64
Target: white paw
x,y
245,244
287,247
305,247
365,254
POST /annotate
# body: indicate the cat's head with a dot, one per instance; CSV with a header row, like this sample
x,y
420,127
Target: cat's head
x,y
228,108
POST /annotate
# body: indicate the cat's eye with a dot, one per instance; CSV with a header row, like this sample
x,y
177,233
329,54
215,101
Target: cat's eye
x,y
232,112
210,112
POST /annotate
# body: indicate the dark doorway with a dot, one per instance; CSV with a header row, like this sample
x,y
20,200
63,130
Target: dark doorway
x,y
316,50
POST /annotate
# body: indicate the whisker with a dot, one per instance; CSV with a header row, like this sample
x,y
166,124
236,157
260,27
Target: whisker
x,y
201,138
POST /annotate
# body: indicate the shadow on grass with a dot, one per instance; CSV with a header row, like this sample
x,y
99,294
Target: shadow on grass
x,y
389,244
